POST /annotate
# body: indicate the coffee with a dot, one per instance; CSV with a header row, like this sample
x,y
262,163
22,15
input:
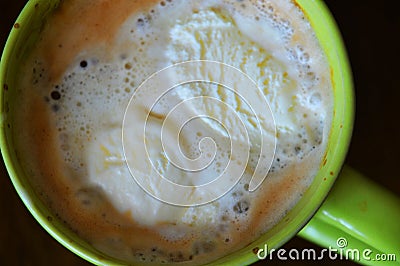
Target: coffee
x,y
91,58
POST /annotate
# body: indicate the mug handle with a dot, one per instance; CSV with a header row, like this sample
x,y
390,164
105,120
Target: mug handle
x,y
360,220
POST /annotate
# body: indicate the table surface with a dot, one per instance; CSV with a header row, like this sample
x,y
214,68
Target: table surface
x,y
370,30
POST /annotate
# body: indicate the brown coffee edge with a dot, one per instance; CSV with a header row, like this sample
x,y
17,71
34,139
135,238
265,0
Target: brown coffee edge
x,y
96,22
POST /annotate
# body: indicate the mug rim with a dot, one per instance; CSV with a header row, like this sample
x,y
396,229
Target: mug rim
x,y
35,206
330,40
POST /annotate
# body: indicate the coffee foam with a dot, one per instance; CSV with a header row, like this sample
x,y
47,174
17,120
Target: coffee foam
x,y
282,57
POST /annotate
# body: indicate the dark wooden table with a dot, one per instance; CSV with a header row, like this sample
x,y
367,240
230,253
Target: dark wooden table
x,y
370,30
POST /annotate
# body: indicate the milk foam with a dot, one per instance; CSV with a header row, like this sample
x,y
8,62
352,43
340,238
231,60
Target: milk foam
x,y
259,38
190,36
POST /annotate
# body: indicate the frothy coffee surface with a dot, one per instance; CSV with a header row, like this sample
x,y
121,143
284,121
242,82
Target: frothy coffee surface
x,y
91,58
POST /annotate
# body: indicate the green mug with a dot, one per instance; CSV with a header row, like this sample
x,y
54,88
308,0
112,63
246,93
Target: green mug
x,y
346,221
